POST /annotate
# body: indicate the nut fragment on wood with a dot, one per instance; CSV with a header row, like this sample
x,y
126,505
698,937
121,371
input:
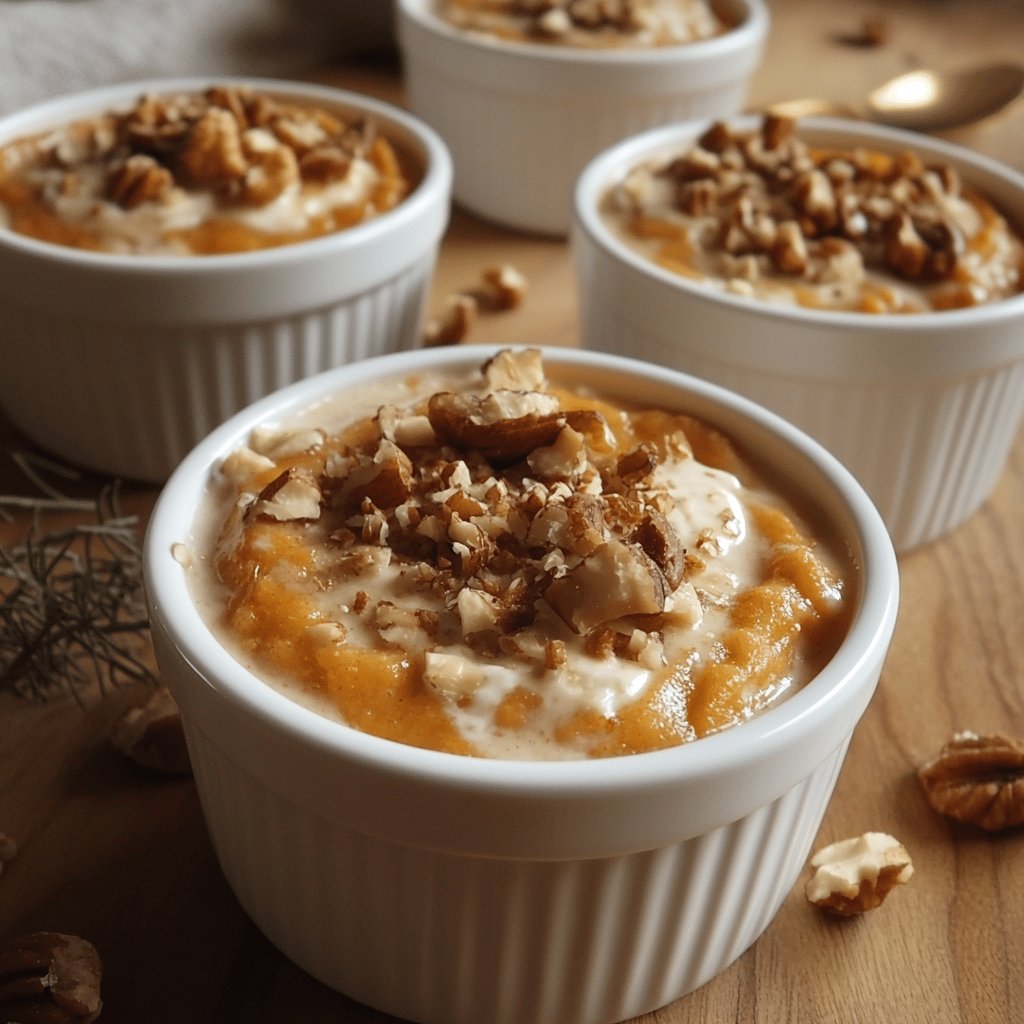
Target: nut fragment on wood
x,y
855,875
49,978
978,780
504,286
874,31
151,735
453,324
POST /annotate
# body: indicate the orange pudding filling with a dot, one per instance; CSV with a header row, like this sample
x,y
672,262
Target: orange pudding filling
x,y
503,567
228,170
761,214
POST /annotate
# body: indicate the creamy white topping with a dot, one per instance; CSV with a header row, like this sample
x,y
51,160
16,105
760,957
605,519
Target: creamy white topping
x,y
633,23
145,229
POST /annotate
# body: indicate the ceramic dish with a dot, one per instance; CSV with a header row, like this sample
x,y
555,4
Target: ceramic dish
x,y
522,120
922,407
454,890
121,363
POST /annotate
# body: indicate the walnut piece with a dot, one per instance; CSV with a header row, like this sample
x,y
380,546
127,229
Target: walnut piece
x,y
151,735
616,580
504,286
453,324
140,179
504,425
978,780
294,494
855,875
49,978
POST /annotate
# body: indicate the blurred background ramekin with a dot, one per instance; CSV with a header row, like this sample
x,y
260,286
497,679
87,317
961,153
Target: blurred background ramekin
x,y
121,363
923,408
458,890
523,119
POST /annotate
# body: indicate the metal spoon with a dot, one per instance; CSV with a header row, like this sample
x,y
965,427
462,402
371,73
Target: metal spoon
x,y
924,100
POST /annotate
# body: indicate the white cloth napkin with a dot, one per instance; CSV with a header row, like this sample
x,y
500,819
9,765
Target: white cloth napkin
x,y
55,47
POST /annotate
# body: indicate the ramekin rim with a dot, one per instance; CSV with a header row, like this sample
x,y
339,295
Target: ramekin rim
x,y
605,167
196,643
437,176
748,32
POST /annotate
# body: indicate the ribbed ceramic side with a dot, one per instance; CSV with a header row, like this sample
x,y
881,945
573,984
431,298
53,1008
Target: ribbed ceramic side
x,y
517,157
929,454
111,402
444,939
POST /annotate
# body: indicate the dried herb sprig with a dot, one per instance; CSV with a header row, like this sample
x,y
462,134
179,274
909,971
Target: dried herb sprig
x,y
73,612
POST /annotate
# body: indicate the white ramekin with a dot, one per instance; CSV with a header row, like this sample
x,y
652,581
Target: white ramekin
x,y
458,890
122,363
523,119
922,408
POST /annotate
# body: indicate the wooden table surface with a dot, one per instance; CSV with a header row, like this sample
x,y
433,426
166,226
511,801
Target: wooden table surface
x,y
109,853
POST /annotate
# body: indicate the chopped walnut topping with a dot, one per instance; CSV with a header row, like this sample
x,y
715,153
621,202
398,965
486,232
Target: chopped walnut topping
x,y
764,206
274,443
554,654
498,501
272,168
662,544
212,152
855,875
225,170
140,179
584,599
520,370
294,494
978,780
503,425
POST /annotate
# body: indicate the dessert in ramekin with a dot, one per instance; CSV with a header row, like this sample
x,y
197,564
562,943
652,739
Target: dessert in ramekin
x,y
867,288
522,118
557,890
172,250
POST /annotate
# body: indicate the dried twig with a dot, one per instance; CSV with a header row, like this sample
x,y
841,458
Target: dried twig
x,y
73,612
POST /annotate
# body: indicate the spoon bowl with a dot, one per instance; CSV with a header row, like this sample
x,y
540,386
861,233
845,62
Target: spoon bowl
x,y
925,100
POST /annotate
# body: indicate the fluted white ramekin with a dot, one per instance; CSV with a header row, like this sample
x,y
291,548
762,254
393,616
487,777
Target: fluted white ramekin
x,y
458,890
121,363
923,408
523,119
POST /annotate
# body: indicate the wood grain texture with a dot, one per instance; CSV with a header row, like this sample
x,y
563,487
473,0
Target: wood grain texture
x,y
124,859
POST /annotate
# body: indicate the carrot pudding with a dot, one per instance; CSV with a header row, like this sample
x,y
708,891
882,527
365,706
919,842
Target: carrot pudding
x,y
762,214
588,23
228,170
503,567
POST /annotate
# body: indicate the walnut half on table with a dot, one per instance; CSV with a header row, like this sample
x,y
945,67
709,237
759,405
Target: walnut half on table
x,y
977,780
